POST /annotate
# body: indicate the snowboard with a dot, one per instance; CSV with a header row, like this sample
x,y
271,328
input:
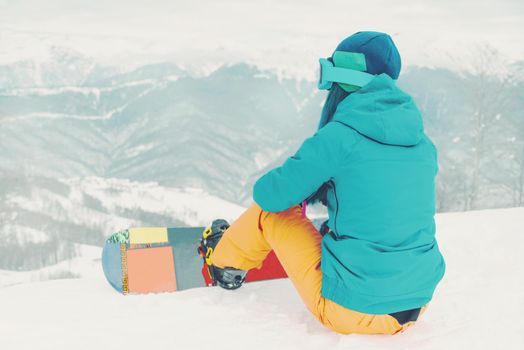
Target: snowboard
x,y
159,259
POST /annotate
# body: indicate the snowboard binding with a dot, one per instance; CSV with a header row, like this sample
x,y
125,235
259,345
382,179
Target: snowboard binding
x,y
228,277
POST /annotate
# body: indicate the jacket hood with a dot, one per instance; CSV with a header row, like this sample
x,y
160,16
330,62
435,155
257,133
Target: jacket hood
x,y
382,112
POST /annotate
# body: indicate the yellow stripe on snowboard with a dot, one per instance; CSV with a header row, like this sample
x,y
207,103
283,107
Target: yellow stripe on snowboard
x,y
142,235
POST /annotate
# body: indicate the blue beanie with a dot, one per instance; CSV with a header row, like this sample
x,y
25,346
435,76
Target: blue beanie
x,y
379,49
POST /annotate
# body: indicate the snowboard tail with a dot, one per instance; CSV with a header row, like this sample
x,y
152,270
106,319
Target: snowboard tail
x,y
159,259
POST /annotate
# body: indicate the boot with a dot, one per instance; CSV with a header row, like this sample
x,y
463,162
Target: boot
x,y
227,277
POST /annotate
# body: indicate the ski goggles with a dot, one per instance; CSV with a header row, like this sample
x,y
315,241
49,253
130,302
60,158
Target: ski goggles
x,y
345,68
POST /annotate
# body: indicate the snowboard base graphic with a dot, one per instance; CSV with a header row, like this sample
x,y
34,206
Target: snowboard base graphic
x,y
159,259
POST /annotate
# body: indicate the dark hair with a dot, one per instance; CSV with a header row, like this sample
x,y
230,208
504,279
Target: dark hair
x,y
335,95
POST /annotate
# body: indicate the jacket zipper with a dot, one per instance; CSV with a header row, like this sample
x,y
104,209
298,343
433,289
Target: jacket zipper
x,y
336,210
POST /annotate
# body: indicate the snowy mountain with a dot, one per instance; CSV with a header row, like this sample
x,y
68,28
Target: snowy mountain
x,y
66,150
59,67
158,124
162,128
45,220
477,305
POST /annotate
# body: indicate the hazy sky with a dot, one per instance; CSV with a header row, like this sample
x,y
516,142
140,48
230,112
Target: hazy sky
x,y
283,35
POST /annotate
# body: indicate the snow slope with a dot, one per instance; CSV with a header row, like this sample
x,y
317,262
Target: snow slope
x,y
478,305
85,265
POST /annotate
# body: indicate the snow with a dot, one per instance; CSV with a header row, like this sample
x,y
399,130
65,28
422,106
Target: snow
x,y
135,151
286,36
193,206
86,265
22,234
50,115
49,91
478,305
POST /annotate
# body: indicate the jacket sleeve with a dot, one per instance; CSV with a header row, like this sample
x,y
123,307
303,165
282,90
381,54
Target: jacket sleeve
x,y
315,162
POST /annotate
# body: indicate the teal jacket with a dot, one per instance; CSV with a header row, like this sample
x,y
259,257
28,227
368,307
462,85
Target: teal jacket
x,y
381,255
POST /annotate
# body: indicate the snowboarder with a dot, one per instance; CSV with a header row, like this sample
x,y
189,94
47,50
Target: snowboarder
x,y
378,264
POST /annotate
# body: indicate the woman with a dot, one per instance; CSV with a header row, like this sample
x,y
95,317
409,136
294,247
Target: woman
x,y
371,164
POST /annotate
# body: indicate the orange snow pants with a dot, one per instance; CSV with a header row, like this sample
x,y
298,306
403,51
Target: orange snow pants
x,y
296,243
